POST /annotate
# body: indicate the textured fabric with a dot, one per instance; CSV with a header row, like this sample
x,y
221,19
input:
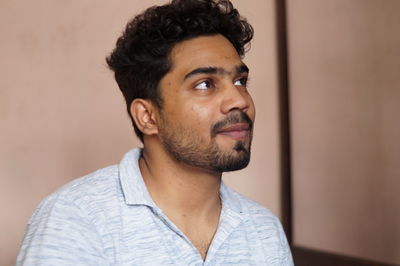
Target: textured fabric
x,y
109,218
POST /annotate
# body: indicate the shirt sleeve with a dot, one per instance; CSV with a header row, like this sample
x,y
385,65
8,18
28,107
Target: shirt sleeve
x,y
61,233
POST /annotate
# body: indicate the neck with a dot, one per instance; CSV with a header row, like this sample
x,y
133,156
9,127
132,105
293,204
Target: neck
x,y
178,189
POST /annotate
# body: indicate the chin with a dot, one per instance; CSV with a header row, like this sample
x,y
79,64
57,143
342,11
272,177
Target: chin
x,y
233,165
234,160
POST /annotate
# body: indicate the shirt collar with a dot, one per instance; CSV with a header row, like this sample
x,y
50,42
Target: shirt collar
x,y
133,186
230,199
136,193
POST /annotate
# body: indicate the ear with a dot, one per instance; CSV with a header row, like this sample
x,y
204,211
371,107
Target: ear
x,y
144,114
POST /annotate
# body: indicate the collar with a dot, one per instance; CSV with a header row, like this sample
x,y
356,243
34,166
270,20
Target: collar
x,y
133,186
136,193
230,199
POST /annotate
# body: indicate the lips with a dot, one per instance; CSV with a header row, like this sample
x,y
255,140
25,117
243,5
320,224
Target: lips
x,y
237,131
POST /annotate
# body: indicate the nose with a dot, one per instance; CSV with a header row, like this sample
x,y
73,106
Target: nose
x,y
235,98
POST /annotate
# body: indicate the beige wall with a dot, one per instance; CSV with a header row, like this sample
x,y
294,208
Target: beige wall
x,y
345,95
62,115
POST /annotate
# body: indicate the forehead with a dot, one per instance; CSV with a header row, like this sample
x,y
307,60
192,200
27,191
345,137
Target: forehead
x,y
216,51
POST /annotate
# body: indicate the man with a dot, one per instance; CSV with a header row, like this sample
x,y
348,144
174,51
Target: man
x,y
179,68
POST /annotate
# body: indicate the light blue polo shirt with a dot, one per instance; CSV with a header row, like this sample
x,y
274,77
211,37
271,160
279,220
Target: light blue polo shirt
x,y
109,218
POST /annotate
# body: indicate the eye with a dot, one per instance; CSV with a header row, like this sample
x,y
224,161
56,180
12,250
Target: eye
x,y
204,85
241,82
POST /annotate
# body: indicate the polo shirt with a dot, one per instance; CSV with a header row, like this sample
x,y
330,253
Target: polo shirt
x,y
109,218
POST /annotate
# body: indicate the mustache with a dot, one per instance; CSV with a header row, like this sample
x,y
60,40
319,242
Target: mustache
x,y
233,118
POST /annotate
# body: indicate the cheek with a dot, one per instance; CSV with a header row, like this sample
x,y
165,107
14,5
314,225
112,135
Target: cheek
x,y
200,116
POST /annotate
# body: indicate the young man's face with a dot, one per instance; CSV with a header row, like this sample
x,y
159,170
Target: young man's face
x,y
207,114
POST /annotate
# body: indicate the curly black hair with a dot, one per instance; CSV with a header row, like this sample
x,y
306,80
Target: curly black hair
x,y
141,57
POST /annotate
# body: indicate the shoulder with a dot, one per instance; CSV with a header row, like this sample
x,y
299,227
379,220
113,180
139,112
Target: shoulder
x,y
268,228
257,211
249,207
266,223
94,184
265,226
69,221
83,194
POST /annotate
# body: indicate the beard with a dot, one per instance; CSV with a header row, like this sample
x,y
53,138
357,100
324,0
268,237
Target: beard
x,y
188,147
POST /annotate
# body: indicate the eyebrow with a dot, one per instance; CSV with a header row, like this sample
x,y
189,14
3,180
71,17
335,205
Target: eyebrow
x,y
216,70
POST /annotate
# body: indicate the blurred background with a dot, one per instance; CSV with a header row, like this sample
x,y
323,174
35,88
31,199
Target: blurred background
x,y
344,87
62,116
